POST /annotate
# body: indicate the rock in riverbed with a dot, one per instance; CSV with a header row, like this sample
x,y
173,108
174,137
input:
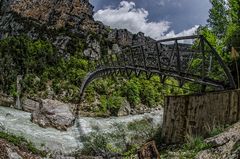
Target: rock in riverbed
x,y
30,105
52,113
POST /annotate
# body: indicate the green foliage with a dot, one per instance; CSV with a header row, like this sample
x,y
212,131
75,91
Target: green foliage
x,y
188,150
218,17
131,90
73,70
149,94
195,144
27,55
223,15
216,131
13,90
224,22
234,7
216,69
135,90
131,152
192,146
214,41
21,143
21,56
112,103
32,84
232,37
104,103
40,65
101,86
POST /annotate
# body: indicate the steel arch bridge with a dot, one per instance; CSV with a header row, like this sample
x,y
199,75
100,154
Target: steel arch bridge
x,y
186,59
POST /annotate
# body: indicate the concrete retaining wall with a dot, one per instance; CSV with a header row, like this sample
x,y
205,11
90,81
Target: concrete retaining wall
x,y
198,114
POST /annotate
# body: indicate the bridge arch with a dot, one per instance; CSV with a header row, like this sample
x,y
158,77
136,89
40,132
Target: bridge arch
x,y
189,58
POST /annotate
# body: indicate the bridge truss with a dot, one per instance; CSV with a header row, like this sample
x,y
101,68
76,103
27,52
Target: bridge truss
x,y
185,59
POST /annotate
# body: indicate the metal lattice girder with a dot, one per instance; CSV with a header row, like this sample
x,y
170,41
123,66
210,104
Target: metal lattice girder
x,y
197,62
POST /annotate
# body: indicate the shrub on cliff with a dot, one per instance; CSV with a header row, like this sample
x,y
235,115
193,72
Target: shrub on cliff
x,y
22,56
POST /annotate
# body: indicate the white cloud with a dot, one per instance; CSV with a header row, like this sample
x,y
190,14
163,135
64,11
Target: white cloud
x,y
127,16
190,31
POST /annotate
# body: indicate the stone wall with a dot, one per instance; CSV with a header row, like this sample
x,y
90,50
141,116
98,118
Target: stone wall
x,y
198,114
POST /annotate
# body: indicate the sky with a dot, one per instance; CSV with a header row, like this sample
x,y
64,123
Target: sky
x,y
156,18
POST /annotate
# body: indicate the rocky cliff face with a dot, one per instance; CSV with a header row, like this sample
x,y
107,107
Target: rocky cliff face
x,y
53,13
56,20
125,38
62,22
56,12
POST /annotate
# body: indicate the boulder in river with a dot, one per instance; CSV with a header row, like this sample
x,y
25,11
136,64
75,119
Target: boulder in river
x,y
52,113
29,105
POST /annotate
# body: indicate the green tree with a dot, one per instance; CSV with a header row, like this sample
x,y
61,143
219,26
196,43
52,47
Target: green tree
x,y
232,37
131,90
234,11
20,55
218,19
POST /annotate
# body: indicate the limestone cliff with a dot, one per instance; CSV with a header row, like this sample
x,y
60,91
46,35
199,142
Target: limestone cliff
x,y
55,20
53,13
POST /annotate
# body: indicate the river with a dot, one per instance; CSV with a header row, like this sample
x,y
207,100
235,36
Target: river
x,y
74,139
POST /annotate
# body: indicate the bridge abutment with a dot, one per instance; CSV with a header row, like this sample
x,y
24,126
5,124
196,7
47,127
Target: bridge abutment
x,y
199,114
